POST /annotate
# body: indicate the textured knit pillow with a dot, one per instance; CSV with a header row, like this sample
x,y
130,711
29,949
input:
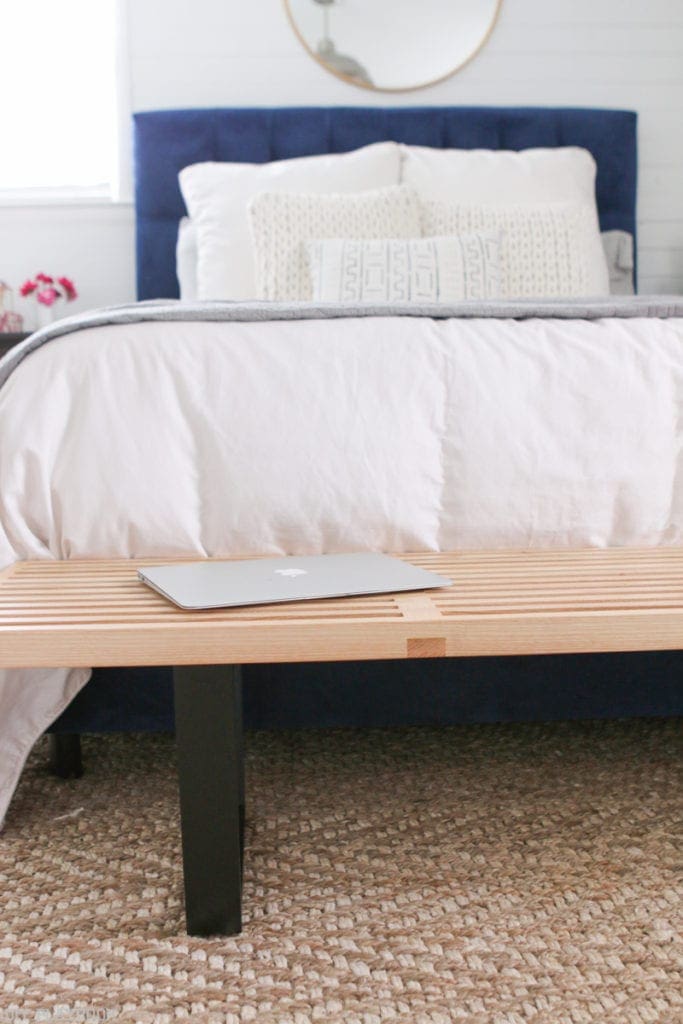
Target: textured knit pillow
x,y
283,223
547,250
406,270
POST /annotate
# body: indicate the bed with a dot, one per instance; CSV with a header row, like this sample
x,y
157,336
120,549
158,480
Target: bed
x,y
476,690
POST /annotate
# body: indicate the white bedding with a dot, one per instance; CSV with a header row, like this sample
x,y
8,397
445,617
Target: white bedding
x,y
392,434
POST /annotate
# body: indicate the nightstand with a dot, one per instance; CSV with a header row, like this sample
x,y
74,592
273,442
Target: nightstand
x,y
8,341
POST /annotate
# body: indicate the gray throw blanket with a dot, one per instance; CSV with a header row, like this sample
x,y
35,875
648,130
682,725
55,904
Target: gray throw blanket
x,y
659,306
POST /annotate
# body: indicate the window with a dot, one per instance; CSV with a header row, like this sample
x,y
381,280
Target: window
x,y
59,99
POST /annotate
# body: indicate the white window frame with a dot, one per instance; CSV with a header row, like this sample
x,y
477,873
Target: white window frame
x,y
120,187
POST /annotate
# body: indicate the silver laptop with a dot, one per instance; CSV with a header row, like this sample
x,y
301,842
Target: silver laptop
x,y
209,584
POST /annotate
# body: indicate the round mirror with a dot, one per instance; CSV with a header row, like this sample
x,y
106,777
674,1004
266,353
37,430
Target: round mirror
x,y
392,44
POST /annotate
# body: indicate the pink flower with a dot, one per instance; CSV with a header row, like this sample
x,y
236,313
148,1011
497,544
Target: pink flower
x,y
47,290
67,284
47,295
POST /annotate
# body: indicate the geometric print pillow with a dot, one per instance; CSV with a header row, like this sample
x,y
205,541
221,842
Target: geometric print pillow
x,y
438,269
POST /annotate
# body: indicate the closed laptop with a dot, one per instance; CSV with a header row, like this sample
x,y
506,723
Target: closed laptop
x,y
226,584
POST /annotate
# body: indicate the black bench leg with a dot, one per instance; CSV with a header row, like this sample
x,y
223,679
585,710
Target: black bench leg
x,y
65,755
208,716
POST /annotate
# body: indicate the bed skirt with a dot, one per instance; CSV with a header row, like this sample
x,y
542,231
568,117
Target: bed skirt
x,y
424,692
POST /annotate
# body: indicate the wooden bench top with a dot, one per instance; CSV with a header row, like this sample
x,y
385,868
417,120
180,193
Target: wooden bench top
x,y
96,613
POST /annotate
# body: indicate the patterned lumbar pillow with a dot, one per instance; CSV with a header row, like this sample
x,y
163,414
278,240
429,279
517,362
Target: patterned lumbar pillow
x,y
406,270
547,250
282,224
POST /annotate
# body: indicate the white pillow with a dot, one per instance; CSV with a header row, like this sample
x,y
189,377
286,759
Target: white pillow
x,y
618,247
186,260
548,250
282,224
406,270
565,174
217,194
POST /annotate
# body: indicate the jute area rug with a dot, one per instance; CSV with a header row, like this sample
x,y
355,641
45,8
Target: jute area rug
x,y
488,874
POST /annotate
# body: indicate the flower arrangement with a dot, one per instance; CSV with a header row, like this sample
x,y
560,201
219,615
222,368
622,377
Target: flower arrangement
x,y
48,290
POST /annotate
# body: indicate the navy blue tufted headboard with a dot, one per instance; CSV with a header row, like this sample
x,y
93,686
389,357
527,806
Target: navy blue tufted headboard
x,y
168,140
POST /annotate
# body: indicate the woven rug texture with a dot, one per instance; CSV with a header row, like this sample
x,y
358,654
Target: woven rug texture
x,y
487,874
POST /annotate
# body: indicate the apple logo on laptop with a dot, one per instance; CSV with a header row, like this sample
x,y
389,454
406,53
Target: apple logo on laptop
x,y
291,572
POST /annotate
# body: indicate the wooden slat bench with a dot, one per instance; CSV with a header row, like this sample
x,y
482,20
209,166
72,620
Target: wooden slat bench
x,y
96,613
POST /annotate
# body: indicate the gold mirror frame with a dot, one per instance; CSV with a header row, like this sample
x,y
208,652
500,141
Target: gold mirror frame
x,y
390,89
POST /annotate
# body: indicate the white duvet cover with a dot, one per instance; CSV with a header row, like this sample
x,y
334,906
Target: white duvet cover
x,y
387,434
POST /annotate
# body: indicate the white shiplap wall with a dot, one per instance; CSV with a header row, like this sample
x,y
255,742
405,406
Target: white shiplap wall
x,y
611,53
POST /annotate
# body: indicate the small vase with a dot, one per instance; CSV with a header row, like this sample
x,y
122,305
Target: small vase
x,y
44,315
